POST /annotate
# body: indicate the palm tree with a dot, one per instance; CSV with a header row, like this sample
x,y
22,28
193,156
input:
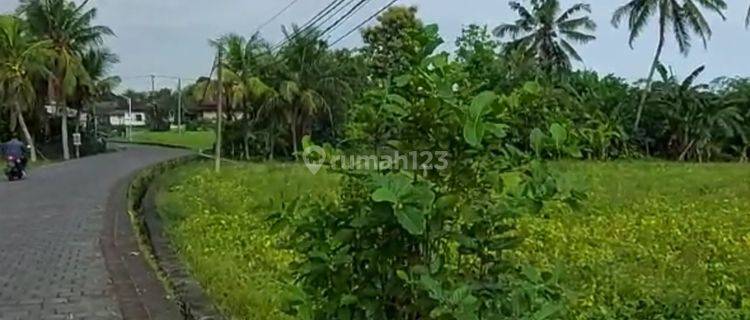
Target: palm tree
x,y
312,83
684,17
243,60
695,120
70,29
97,62
547,32
22,59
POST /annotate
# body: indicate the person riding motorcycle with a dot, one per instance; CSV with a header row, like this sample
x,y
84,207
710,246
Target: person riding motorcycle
x,y
16,149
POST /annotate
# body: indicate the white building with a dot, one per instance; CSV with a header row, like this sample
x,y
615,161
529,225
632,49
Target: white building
x,y
123,118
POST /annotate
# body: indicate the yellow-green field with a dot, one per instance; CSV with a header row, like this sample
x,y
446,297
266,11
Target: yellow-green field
x,y
653,240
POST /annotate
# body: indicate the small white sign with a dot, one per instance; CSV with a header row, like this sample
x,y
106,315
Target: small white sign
x,y
77,139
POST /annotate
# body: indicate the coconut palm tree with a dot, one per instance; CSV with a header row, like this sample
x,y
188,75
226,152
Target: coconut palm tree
x,y
244,60
97,62
547,32
312,83
683,16
71,30
22,60
695,120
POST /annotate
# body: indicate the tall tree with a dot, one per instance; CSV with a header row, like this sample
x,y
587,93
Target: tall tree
x,y
244,62
71,30
684,17
312,85
696,123
391,45
547,31
22,59
97,62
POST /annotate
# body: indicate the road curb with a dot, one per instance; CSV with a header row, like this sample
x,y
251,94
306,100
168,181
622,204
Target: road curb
x,y
190,298
139,292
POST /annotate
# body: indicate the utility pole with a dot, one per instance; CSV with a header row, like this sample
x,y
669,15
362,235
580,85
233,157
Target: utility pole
x,y
130,119
153,101
179,105
219,110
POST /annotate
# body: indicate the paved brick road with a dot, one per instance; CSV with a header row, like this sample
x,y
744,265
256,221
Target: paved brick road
x,y
51,261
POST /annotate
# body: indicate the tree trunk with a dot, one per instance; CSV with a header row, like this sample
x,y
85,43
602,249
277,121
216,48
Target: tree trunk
x,y
26,134
64,133
650,78
294,135
57,95
271,139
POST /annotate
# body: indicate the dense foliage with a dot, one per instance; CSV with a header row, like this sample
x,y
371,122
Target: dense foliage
x,y
429,243
423,242
51,54
273,105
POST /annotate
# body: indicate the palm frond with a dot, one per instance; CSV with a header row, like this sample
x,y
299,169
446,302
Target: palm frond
x,y
688,82
576,8
577,36
570,50
504,30
679,26
583,22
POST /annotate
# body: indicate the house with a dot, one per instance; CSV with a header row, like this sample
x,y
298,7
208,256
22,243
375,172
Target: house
x,y
118,113
124,118
208,112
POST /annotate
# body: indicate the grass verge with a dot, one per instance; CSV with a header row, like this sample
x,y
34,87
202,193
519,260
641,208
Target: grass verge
x,y
216,223
195,140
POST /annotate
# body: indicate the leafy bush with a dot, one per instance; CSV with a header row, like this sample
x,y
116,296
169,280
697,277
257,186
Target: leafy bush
x,y
424,243
199,125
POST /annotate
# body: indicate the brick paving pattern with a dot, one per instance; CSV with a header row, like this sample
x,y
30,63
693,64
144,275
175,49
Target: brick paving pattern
x,y
51,261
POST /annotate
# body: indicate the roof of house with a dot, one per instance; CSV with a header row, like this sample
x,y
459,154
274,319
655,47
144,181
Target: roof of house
x,y
119,106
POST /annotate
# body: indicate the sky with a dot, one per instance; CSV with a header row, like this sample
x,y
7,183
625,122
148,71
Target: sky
x,y
170,37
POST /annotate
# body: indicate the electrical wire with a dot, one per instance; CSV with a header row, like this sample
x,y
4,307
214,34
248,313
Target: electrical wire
x,y
358,6
274,17
363,23
307,26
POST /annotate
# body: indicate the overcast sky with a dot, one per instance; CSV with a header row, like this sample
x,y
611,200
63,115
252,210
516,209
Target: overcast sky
x,y
169,37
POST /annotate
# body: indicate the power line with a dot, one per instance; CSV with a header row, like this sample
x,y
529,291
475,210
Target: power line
x,y
358,6
307,26
321,14
278,14
364,22
337,11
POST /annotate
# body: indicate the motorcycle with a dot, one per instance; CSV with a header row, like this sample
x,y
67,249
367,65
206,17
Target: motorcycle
x,y
14,170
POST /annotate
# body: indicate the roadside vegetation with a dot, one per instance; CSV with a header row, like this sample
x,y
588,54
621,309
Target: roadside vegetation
x,y
52,53
565,193
195,140
224,239
653,238
498,231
